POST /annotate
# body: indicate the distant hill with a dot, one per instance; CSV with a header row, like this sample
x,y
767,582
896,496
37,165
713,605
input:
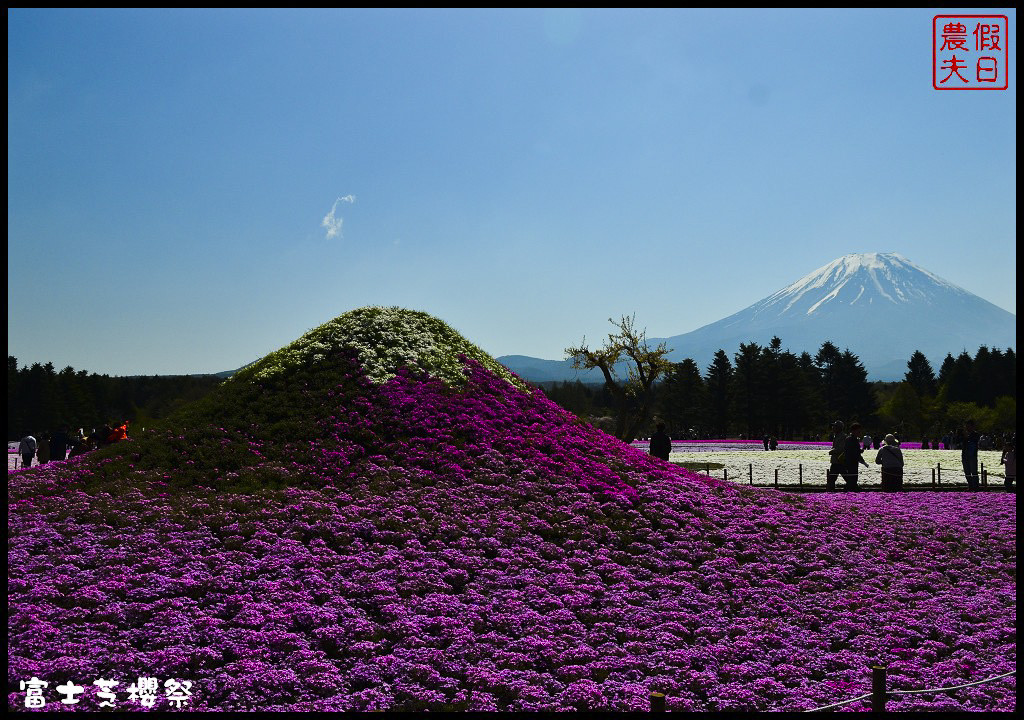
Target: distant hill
x,y
879,305
538,371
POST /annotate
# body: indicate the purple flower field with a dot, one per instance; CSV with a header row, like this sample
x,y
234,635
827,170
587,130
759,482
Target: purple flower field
x,y
420,546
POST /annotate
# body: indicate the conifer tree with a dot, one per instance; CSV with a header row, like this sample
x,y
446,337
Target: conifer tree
x,y
794,398
957,386
719,384
946,369
772,413
827,362
748,383
983,377
683,398
920,375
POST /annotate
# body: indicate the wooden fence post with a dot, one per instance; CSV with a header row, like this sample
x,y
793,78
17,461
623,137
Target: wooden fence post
x,y
939,472
657,702
877,688
776,478
933,477
750,469
800,468
725,473
984,477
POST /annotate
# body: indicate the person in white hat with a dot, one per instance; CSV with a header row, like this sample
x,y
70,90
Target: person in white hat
x,y
890,457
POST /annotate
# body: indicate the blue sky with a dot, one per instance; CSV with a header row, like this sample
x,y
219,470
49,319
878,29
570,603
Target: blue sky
x,y
523,174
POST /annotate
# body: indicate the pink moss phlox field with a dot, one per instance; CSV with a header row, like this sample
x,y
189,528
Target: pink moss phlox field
x,y
479,548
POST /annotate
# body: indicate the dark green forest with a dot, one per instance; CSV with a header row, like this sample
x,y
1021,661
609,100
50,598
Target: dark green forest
x,y
40,399
767,390
760,390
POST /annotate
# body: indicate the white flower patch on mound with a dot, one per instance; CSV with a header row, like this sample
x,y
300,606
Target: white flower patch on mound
x,y
385,339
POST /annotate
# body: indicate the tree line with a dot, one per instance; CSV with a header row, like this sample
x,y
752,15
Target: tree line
x,y
982,388
40,399
760,390
765,390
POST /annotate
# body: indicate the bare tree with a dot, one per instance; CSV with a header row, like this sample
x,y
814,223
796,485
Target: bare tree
x,y
634,394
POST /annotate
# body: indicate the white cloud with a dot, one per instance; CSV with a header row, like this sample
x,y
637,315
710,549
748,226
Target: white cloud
x,y
331,222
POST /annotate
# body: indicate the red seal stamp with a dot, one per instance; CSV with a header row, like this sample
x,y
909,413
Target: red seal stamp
x,y
970,52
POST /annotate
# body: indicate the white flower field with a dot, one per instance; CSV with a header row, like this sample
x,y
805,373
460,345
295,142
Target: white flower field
x,y
738,465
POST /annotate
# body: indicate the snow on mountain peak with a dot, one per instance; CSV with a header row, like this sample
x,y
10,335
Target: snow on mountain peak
x,y
856,278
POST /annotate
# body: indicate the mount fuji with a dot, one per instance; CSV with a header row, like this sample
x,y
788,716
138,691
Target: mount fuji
x,y
879,305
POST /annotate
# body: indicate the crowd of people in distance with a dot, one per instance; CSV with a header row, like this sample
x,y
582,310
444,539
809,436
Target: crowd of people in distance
x,y
848,448
62,444
956,439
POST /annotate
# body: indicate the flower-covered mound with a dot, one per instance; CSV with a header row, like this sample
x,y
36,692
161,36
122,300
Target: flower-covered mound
x,y
318,541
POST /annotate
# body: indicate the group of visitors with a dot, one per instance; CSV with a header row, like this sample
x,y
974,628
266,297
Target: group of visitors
x,y
63,444
959,438
846,456
48,446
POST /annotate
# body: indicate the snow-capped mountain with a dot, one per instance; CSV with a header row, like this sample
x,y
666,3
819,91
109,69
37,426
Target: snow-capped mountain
x,y
879,305
865,279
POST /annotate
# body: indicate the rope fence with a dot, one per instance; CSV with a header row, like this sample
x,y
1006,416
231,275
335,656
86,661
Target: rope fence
x,y
879,693
834,481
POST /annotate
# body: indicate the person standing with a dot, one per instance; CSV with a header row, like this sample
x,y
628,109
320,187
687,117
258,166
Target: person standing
x,y
852,457
43,449
77,444
890,457
102,434
835,456
661,443
969,455
27,449
1009,459
59,444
